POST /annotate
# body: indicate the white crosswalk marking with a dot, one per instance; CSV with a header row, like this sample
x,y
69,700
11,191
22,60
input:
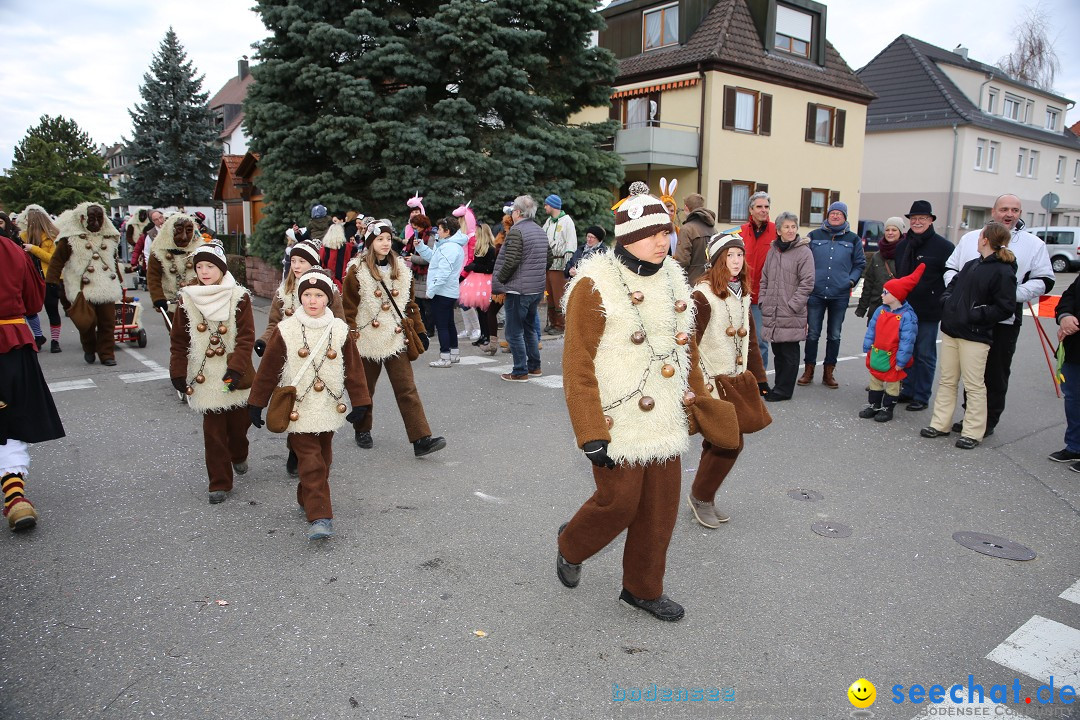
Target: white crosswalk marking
x,y
499,369
475,360
1073,593
72,385
1041,648
162,374
144,360
548,381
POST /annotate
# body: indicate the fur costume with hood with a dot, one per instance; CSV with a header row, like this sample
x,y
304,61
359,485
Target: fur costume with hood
x,y
169,267
78,249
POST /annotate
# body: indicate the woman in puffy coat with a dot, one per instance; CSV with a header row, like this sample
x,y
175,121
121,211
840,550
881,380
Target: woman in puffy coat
x,y
787,279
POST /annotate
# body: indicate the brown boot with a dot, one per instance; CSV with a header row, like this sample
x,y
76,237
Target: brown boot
x,y
827,378
808,374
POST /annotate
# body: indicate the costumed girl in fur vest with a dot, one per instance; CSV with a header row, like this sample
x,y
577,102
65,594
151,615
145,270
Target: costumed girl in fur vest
x,y
635,395
304,257
212,336
313,351
378,285
85,261
727,343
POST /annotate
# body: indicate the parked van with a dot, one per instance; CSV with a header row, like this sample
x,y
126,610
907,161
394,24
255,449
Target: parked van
x,y
1063,245
871,231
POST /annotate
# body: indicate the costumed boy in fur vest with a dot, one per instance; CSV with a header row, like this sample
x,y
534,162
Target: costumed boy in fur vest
x,y
635,395
313,351
378,285
304,257
170,267
889,345
212,336
85,259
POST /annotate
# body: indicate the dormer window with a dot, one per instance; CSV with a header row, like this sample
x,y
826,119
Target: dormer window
x,y
794,31
660,27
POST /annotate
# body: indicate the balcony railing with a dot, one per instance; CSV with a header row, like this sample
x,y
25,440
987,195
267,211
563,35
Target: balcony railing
x,y
659,144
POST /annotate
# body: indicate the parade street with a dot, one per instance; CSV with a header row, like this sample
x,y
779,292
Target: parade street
x,y
438,598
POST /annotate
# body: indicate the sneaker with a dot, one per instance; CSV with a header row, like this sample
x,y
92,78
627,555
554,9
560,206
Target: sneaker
x,y
292,464
320,529
442,362
1075,467
217,496
705,512
662,608
21,516
40,341
363,440
55,347
474,335
932,432
569,573
966,443
1064,456
455,357
463,334
510,377
427,445
536,373
868,412
240,468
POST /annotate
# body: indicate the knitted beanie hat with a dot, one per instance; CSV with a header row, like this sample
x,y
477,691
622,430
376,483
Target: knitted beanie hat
x,y
898,223
842,207
640,217
721,241
318,279
210,252
900,287
376,229
554,201
319,211
308,251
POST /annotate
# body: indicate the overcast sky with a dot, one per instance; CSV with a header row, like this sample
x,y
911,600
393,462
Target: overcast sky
x,y
85,60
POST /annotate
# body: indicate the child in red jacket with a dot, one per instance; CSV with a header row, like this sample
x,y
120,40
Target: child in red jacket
x,y
889,345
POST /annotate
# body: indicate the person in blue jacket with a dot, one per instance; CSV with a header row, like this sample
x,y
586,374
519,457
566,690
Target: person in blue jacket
x,y
444,268
838,265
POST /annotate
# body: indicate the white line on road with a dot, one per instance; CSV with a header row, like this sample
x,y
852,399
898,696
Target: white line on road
x,y
474,360
1073,593
489,498
161,374
145,361
500,369
72,385
1040,648
548,381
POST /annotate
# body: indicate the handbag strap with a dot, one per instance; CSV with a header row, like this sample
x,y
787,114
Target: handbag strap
x,y
390,297
311,356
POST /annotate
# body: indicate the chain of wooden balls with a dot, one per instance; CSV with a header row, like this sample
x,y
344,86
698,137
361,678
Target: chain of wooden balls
x,y
317,383
96,256
645,402
174,270
385,307
217,348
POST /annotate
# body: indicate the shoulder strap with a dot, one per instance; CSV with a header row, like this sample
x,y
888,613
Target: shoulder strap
x,y
311,356
390,297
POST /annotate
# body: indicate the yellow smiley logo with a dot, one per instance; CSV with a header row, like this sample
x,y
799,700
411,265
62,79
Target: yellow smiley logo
x,y
862,693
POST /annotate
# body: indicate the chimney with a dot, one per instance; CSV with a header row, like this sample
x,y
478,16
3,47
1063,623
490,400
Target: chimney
x,y
961,51
242,67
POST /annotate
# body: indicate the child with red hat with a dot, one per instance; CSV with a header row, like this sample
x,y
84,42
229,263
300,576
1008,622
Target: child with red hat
x,y
889,345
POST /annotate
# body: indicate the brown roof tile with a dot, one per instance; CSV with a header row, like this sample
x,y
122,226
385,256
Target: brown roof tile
x,y
232,92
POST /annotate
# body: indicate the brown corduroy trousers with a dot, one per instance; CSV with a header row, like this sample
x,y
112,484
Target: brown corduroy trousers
x,y
713,468
315,452
225,442
399,370
99,339
555,284
644,501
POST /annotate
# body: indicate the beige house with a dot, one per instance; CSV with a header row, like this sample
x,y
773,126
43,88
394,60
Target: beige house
x,y
957,132
733,96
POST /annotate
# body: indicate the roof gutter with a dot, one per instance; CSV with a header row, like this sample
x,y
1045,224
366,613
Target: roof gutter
x,y
701,132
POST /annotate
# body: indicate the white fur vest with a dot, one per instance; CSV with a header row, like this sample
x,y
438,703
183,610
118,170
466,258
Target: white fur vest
x,y
93,259
208,395
628,374
289,302
720,353
379,327
317,409
177,269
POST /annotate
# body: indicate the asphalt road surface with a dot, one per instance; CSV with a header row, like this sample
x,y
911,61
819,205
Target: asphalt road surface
x,y
135,598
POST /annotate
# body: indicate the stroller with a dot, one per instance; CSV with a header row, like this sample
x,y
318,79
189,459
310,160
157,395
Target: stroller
x,y
129,321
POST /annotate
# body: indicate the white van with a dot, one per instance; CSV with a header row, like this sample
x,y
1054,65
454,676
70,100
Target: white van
x,y
1063,244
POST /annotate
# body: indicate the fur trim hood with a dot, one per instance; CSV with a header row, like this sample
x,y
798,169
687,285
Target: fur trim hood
x,y
72,223
334,237
164,239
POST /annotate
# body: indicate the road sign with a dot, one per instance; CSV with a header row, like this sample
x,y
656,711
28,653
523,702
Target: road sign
x,y
1050,201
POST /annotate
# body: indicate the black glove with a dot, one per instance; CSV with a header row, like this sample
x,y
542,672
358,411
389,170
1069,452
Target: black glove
x,y
161,304
255,413
860,312
229,379
179,383
260,347
763,388
596,451
357,414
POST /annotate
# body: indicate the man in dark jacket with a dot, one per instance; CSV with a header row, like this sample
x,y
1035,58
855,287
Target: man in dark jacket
x,y
923,245
520,271
1068,310
694,235
838,264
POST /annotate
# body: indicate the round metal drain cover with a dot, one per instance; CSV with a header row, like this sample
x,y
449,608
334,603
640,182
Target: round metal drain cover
x,y
993,545
831,529
805,495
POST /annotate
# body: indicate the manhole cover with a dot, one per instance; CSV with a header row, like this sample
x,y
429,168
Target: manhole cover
x,y
831,529
805,495
993,545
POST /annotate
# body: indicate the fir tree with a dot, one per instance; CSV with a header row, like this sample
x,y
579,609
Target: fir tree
x,y
173,149
359,107
55,166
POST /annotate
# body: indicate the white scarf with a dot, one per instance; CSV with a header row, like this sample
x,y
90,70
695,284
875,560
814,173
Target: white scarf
x,y
314,322
213,301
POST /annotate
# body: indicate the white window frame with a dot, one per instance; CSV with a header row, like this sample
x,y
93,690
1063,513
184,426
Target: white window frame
x,y
1062,162
1076,173
991,101
662,10
754,98
1029,112
991,164
1053,115
787,42
1021,161
830,127
1033,164
980,152
820,217
1017,107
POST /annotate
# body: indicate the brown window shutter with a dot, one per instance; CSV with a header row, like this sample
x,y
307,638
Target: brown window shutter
x,y
729,108
834,196
811,117
838,125
766,114
725,200
616,110
804,207
761,187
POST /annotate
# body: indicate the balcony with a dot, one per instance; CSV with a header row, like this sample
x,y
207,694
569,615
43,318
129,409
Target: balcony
x,y
658,145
